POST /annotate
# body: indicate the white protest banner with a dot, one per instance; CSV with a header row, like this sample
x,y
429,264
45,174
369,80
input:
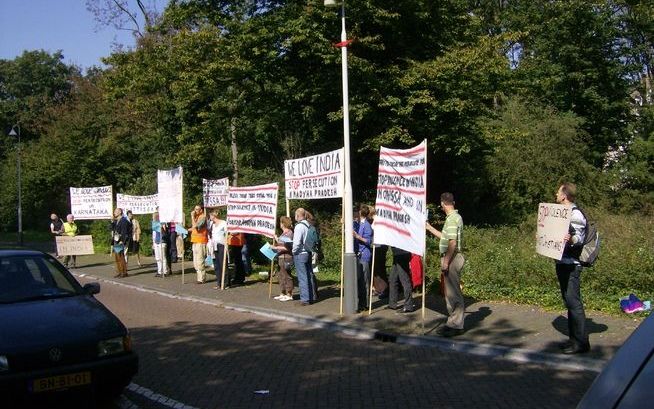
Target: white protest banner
x,y
401,194
137,204
315,177
170,188
553,224
214,192
252,209
74,245
91,203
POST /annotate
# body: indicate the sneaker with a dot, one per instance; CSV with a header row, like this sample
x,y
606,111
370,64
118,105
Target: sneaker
x,y
280,296
286,298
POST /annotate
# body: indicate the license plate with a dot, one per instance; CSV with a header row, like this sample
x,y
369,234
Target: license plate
x,y
61,382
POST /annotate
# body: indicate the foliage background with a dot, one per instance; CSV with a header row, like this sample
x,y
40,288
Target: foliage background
x,y
513,96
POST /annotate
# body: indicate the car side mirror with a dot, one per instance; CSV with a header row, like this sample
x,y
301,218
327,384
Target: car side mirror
x,y
91,288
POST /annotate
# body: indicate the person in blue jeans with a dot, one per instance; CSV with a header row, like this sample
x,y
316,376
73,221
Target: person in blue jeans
x,y
302,259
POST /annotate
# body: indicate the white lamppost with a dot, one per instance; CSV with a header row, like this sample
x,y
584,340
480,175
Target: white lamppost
x,y
350,260
13,133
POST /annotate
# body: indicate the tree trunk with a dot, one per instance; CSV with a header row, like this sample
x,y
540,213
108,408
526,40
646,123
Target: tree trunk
x,y
234,153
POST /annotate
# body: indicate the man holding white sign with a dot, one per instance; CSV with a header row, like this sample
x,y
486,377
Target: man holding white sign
x,y
568,271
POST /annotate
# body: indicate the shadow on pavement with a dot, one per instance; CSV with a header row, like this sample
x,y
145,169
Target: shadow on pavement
x,y
221,365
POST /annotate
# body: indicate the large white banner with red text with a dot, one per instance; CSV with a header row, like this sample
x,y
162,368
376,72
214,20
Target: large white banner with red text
x,y
400,207
137,204
315,177
171,199
252,209
91,203
552,226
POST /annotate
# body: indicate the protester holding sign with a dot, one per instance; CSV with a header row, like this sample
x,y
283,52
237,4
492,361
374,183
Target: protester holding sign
x,y
283,246
199,240
120,233
400,272
217,232
70,230
568,271
235,242
56,229
363,251
302,259
135,241
452,262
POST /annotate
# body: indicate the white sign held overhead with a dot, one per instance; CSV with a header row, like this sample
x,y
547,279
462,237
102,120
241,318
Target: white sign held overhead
x,y
552,225
401,198
252,209
137,204
315,177
91,203
214,192
170,188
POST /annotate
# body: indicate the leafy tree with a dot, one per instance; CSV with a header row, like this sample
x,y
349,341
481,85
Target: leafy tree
x,y
534,149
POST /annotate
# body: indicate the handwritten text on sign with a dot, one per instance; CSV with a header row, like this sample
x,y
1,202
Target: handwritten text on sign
x,y
91,203
401,194
137,204
553,224
214,192
315,177
170,188
252,209
74,246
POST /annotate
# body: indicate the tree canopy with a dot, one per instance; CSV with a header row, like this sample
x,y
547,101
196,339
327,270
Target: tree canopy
x,y
512,95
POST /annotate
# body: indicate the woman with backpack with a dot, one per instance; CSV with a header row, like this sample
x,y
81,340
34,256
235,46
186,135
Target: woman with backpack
x,y
302,257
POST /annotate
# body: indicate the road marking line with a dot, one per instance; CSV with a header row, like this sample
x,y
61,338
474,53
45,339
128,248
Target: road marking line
x,y
157,397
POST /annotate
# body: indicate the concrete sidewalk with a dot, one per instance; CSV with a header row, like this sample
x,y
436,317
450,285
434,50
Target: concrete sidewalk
x,y
518,332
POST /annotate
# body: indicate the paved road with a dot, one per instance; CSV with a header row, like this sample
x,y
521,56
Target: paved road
x,y
208,357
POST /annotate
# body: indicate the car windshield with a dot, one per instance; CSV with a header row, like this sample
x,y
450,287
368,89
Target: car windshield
x,y
34,277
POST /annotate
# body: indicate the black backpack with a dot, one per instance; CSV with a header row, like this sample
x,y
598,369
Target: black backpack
x,y
590,248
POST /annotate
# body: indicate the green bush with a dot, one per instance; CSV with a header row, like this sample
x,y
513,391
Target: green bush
x,y
502,264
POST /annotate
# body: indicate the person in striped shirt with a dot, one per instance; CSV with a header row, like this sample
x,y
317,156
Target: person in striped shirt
x,y
452,262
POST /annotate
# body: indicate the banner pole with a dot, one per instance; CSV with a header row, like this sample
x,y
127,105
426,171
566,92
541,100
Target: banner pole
x,y
183,282
272,263
342,253
288,208
424,246
372,280
424,279
225,272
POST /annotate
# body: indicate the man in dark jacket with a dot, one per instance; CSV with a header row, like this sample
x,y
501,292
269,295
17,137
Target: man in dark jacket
x,y
121,232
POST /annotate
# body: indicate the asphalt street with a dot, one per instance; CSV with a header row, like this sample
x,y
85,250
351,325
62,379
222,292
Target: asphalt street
x,y
203,356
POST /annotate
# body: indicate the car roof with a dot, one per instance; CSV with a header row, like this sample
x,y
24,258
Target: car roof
x,y
12,252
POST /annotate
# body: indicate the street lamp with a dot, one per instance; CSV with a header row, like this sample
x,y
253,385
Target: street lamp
x,y
349,259
20,210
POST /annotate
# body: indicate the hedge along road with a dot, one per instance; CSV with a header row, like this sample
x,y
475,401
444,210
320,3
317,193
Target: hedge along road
x,y
209,357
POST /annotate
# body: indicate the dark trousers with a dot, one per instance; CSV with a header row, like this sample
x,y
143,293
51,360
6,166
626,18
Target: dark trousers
x,y
380,262
218,256
400,271
173,246
236,257
363,283
569,276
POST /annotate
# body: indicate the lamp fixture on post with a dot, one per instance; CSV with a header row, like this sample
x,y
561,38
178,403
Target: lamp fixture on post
x,y
13,133
349,258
